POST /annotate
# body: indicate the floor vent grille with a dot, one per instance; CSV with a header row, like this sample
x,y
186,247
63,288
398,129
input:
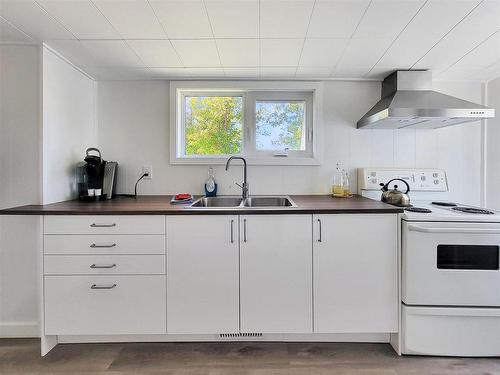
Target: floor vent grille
x,y
237,335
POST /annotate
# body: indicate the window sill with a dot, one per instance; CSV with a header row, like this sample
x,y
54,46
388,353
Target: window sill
x,y
269,161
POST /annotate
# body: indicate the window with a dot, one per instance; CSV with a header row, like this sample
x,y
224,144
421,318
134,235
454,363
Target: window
x,y
213,125
266,125
280,125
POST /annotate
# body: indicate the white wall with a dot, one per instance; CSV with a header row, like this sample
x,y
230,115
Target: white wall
x,y
69,99
29,143
133,129
493,149
20,183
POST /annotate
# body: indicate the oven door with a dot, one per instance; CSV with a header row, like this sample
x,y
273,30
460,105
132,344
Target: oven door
x,y
448,263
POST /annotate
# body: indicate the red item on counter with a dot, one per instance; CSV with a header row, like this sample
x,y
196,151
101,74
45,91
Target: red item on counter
x,y
183,196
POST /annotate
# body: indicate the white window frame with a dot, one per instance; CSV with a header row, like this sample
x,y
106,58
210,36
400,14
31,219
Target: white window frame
x,y
251,91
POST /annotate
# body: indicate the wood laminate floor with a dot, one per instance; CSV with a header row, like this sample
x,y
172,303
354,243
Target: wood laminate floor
x,y
22,356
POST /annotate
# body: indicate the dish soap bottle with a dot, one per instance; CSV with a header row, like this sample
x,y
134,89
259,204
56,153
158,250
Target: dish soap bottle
x,y
346,185
210,184
338,183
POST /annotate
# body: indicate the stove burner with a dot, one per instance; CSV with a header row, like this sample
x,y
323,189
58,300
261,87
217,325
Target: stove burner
x,y
472,210
445,204
418,209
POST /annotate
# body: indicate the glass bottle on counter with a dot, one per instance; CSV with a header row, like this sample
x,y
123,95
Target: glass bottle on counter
x,y
338,183
346,185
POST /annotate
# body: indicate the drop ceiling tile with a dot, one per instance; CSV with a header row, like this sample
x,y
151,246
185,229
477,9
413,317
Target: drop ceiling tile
x,y
74,51
470,33
234,19
112,53
119,74
197,53
33,20
322,52
435,19
319,73
133,19
205,72
387,18
183,19
280,52
10,34
485,55
336,19
169,72
238,52
350,72
284,18
242,72
156,53
81,17
364,52
277,72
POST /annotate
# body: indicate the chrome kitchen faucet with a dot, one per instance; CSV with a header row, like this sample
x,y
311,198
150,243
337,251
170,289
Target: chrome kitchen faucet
x,y
243,187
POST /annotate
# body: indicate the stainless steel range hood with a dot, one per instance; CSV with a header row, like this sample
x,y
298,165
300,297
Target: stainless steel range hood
x,y
409,102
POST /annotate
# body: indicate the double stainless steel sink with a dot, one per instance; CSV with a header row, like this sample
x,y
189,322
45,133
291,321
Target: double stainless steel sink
x,y
238,202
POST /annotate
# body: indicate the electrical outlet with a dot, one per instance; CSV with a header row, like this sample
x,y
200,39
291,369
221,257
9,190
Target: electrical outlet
x,y
149,170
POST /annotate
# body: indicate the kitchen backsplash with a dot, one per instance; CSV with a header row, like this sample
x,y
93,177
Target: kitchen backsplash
x,y
133,128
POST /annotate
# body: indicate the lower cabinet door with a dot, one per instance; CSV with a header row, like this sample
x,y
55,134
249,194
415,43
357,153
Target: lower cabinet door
x,y
105,305
355,273
202,274
276,273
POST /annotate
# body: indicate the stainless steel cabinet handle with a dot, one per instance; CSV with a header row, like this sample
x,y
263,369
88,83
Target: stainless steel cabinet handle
x,y
232,231
244,230
95,225
95,286
96,245
320,239
103,266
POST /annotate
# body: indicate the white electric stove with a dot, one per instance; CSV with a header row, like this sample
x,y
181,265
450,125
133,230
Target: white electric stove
x,y
429,195
450,277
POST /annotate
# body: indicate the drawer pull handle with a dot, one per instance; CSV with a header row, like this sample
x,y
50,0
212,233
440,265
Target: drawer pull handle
x,y
97,246
95,286
94,225
103,266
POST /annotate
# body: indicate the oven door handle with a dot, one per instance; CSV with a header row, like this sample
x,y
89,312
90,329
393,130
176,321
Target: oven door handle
x,y
416,228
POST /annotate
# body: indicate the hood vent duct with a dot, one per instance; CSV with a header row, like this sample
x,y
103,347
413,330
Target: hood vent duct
x,y
409,102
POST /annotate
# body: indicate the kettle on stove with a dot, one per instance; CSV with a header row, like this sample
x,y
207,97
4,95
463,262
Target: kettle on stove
x,y
394,196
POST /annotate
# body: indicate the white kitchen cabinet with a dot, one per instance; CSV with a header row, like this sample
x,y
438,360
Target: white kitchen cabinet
x,y
202,274
104,305
355,273
276,273
104,224
103,264
61,244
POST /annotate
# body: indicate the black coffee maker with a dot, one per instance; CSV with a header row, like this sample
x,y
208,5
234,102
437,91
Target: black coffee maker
x,y
96,177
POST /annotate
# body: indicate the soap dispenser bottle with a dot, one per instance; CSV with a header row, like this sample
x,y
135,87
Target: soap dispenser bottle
x,y
210,184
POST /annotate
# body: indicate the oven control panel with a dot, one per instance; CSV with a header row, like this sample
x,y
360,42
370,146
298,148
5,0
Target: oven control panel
x,y
418,179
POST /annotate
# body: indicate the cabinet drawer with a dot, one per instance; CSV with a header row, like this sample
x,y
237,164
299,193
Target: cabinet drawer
x,y
104,244
104,224
103,264
132,305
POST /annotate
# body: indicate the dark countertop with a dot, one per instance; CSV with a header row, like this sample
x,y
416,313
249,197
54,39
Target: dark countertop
x,y
160,205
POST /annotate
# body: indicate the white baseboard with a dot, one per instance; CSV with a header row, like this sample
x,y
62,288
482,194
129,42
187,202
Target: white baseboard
x,y
340,337
19,329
